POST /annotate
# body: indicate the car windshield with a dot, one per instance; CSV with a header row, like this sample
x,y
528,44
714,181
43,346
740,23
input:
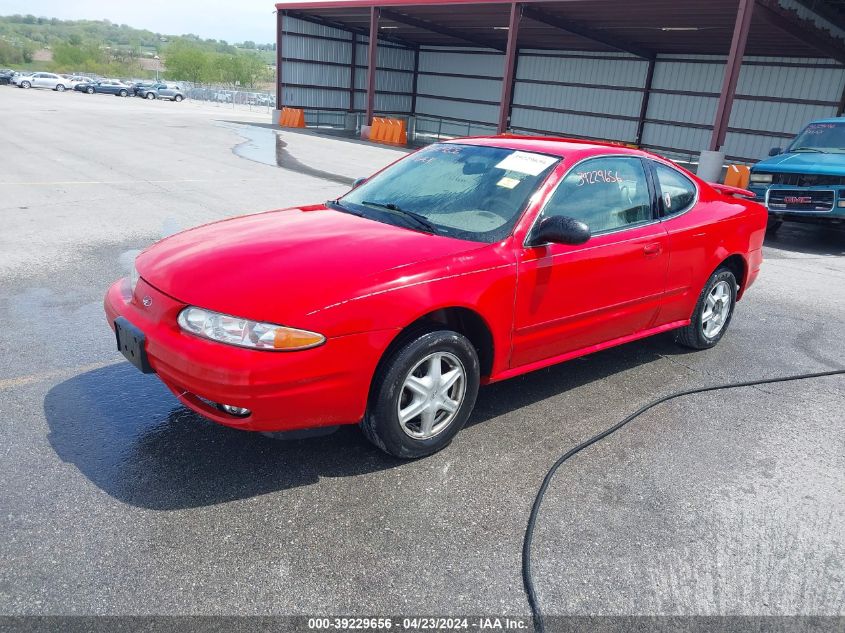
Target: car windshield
x,y
469,192
820,137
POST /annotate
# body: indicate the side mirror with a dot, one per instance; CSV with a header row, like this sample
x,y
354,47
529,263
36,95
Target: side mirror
x,y
358,182
775,151
559,229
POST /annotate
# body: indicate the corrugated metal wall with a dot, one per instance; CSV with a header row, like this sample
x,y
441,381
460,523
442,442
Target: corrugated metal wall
x,y
316,70
592,95
394,79
775,97
463,85
322,86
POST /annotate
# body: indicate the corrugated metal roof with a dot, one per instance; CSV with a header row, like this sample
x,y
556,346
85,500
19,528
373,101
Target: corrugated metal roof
x,y
655,26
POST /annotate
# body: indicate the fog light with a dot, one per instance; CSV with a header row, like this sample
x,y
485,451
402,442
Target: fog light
x,y
238,411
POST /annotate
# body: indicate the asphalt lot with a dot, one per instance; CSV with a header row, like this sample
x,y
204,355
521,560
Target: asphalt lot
x,y
115,500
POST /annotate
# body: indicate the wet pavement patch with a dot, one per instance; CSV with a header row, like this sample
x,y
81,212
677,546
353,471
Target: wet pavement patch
x,y
265,145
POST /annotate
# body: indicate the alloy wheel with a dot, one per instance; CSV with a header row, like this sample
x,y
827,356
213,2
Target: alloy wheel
x,y
431,395
717,308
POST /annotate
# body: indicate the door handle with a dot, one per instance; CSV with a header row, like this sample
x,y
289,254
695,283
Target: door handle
x,y
650,250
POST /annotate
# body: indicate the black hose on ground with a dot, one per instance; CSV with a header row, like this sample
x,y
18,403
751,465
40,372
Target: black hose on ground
x,y
527,580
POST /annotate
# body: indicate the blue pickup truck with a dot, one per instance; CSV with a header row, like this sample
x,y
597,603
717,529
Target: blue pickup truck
x,y
806,181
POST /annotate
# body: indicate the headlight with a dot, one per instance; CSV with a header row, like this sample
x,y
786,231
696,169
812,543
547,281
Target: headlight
x,y
133,278
245,333
763,179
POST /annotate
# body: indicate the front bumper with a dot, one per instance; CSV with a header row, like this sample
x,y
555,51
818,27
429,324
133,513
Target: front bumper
x,y
323,386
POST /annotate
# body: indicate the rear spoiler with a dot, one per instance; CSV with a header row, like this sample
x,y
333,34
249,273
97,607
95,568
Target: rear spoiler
x,y
733,191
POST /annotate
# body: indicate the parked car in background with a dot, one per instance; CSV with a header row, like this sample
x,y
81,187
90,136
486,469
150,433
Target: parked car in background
x,y
806,181
106,86
223,97
173,92
85,86
466,263
21,76
6,76
138,88
44,80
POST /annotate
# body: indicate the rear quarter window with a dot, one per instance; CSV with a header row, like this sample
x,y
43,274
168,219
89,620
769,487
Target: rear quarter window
x,y
677,192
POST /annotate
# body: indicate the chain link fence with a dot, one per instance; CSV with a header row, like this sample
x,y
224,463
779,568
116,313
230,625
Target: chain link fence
x,y
234,98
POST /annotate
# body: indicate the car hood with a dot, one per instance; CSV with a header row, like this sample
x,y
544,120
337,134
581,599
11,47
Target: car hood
x,y
804,163
310,257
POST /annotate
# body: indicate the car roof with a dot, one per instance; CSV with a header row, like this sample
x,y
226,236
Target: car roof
x,y
549,145
833,120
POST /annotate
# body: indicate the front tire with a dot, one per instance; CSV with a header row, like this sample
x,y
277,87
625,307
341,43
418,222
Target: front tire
x,y
150,95
123,93
422,394
60,88
177,98
90,91
713,312
26,84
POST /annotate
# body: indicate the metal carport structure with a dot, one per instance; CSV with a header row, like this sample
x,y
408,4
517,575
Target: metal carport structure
x,y
660,47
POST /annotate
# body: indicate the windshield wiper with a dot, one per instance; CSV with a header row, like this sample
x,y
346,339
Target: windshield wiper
x,y
337,206
807,149
420,220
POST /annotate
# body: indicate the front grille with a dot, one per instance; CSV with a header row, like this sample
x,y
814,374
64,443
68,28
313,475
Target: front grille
x,y
800,200
807,180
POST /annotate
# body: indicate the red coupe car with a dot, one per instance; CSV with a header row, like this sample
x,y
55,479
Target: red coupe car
x,y
462,264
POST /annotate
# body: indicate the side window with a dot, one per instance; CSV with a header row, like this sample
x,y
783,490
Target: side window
x,y
677,192
604,193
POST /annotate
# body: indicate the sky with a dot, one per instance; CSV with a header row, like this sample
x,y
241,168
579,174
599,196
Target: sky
x,y
230,20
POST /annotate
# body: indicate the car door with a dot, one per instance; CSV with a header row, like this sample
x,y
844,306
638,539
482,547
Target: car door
x,y
571,298
165,90
38,80
688,237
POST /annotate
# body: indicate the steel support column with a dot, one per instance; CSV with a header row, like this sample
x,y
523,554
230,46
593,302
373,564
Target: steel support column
x,y
279,29
415,80
372,58
649,77
840,110
352,71
732,68
510,66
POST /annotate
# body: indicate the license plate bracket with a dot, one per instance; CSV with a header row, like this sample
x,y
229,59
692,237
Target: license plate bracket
x,y
130,343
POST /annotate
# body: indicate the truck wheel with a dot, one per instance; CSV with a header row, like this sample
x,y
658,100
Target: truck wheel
x,y
422,394
712,313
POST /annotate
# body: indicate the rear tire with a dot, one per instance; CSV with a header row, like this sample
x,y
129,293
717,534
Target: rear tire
x,y
90,91
123,93
422,394
60,88
713,312
150,95
177,98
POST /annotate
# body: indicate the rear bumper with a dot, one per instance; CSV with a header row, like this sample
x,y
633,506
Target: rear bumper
x,y
323,386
